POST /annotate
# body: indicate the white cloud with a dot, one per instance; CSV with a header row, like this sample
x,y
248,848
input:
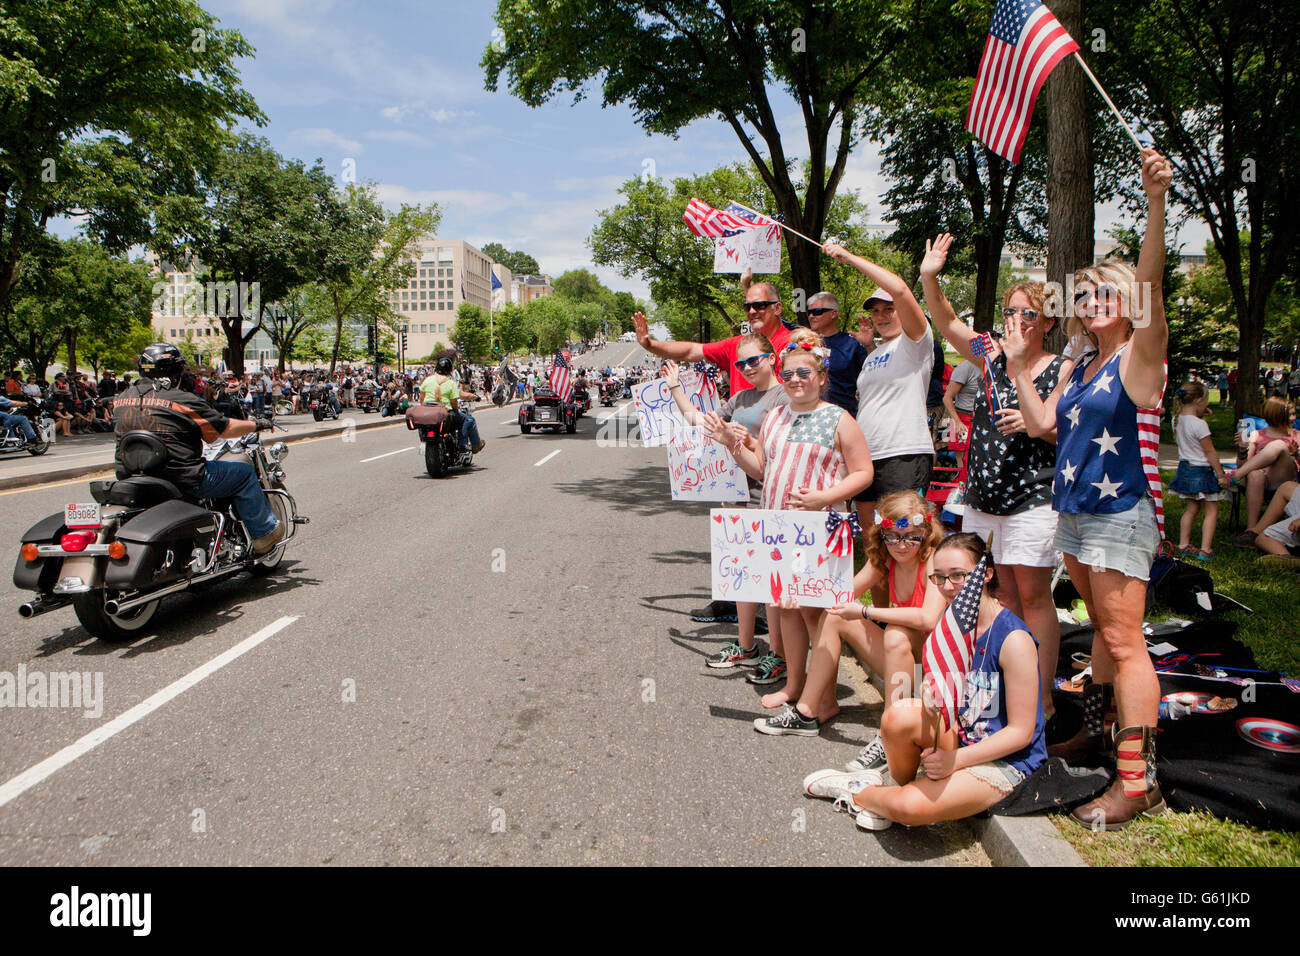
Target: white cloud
x,y
322,136
400,111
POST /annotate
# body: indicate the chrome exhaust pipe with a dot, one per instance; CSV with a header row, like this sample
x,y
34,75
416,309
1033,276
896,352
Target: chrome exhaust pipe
x,y
39,605
130,604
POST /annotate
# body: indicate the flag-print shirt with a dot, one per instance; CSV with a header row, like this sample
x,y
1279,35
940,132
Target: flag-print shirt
x,y
1012,473
1099,461
801,453
984,706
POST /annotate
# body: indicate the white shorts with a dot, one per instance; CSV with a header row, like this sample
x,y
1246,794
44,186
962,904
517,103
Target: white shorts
x,y
1281,531
1024,538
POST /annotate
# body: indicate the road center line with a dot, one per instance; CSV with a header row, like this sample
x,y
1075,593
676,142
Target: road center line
x,y
386,454
548,457
34,775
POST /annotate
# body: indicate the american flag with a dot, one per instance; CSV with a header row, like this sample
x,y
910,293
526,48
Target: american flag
x,y
982,347
1024,44
703,220
948,650
561,384
756,219
1148,429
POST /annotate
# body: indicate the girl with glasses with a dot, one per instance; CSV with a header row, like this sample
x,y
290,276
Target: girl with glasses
x,y
1010,468
810,456
888,635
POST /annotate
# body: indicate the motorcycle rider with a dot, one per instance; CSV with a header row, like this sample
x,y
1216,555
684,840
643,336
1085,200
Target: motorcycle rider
x,y
19,422
440,387
184,421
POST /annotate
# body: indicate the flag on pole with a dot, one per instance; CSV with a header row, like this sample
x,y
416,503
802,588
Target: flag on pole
x,y
982,347
496,283
703,220
947,654
561,384
1024,44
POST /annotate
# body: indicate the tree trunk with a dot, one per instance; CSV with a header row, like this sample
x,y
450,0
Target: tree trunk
x,y
72,353
988,259
805,272
1070,196
1249,399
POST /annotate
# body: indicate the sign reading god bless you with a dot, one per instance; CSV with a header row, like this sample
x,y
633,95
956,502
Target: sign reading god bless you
x,y
758,249
700,469
765,556
657,413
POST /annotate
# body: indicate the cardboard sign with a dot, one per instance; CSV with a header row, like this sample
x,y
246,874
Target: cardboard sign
x,y
699,469
657,413
758,249
765,556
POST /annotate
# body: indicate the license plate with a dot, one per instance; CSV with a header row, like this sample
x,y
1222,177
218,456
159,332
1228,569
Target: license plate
x,y
543,413
82,515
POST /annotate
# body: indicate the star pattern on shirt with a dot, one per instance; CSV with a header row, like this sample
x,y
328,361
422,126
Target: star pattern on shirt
x,y
1102,383
1106,487
1067,472
816,427
1107,443
1073,416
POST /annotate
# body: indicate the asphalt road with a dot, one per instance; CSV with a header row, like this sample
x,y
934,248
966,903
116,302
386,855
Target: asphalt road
x,y
497,667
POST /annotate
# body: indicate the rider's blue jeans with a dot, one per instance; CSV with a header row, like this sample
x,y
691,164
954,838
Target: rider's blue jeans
x,y
468,430
238,480
19,422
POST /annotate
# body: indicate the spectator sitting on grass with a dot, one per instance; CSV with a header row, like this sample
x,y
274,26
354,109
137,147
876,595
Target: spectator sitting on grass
x,y
1277,532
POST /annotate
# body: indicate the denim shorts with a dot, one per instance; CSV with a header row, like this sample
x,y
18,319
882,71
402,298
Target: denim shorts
x,y
998,774
1125,542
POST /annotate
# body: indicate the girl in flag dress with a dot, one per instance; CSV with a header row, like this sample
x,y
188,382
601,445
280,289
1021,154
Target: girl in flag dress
x,y
810,456
997,740
1107,495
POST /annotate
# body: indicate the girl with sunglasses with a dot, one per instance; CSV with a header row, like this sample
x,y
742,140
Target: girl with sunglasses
x,y
998,738
1010,470
755,360
888,635
810,456
1107,492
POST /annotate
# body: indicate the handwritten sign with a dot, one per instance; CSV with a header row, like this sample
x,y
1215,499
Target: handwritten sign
x,y
758,249
765,556
699,469
657,413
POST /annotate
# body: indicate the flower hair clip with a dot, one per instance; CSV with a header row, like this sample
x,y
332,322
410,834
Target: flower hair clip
x,y
809,347
902,524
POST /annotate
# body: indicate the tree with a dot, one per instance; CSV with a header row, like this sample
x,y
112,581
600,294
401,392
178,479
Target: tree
x,y
290,318
579,285
511,328
469,334
119,351
519,263
676,61
1219,89
587,318
105,109
547,320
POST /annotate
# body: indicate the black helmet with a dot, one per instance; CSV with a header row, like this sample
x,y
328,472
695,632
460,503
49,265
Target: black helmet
x,y
443,365
162,360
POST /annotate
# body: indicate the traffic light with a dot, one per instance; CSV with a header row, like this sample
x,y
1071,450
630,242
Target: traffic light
x,y
402,336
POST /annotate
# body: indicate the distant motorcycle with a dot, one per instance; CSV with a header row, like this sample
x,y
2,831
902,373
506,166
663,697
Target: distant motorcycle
x,y
322,409
12,440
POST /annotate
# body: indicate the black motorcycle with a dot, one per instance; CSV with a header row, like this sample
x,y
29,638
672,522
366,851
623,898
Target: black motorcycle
x,y
12,440
609,391
322,409
440,436
141,539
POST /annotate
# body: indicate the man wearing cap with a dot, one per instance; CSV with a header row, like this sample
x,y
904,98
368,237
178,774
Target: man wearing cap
x,y
847,354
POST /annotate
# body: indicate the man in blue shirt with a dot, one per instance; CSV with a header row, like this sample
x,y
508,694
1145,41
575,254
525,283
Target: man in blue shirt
x,y
16,421
847,354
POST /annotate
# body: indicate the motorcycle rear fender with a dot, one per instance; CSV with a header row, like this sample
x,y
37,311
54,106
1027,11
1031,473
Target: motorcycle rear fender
x,y
43,573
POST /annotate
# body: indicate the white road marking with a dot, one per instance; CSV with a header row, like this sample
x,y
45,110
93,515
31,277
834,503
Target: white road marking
x,y
34,775
386,454
548,457
510,421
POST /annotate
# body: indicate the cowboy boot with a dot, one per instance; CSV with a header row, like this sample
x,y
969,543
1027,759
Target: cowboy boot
x,y
1135,790
1091,738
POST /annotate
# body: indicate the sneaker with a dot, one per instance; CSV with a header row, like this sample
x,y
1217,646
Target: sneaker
x,y
733,655
831,784
724,611
866,820
1280,561
788,721
1245,539
770,670
871,758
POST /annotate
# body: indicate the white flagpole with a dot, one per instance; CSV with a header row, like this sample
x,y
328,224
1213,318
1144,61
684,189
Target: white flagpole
x,y
1128,129
779,223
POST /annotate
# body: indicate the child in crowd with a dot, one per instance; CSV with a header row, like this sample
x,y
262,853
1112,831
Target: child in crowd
x,y
811,456
756,360
1200,479
889,634
998,739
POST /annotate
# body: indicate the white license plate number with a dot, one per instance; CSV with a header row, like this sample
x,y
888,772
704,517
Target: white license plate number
x,y
82,515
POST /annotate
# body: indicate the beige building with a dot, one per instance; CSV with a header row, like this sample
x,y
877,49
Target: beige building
x,y
448,272
527,288
185,309
1036,269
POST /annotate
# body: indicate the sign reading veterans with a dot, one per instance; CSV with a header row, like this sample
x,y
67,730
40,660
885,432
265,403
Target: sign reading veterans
x,y
768,556
657,413
699,469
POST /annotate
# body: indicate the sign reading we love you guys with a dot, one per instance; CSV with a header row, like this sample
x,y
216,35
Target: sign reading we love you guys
x,y
767,556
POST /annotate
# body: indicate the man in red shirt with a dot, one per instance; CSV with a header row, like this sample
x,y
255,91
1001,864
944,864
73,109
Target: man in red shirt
x,y
762,309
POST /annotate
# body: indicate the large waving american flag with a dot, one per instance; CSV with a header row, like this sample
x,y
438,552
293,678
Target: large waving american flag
x,y
561,383
947,654
1024,44
703,220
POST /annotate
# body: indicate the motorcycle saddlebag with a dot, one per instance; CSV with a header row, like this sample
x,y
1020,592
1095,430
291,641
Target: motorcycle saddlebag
x,y
43,573
160,545
427,418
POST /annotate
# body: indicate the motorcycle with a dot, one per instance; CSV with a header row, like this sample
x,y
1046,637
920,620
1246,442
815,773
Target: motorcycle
x,y
141,539
608,392
322,409
440,436
11,439
367,398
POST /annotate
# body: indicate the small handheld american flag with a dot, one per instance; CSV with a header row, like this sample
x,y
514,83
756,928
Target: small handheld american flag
x,y
947,655
982,347
703,220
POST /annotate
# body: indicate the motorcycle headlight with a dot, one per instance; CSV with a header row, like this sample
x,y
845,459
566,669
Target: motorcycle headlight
x,y
279,451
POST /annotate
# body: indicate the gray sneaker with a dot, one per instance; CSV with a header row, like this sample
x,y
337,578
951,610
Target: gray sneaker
x,y
769,670
733,655
871,758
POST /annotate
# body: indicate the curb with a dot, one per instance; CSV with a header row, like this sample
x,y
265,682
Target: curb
x,y
1013,841
78,471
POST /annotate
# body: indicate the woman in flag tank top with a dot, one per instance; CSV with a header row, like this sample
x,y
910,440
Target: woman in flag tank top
x,y
977,750
1107,495
810,456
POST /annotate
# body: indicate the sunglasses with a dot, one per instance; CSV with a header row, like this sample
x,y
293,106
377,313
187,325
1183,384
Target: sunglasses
x,y
751,362
901,540
803,371
957,577
1103,293
821,311
761,305
1029,315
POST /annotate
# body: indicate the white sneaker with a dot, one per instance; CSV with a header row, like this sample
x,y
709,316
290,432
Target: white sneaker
x,y
866,820
832,784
